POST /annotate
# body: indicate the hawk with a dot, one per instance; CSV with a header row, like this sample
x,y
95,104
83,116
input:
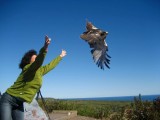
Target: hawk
x,y
96,40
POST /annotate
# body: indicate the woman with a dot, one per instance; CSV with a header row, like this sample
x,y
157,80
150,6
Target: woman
x,y
27,84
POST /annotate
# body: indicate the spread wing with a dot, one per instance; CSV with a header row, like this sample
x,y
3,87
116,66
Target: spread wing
x,y
96,40
100,55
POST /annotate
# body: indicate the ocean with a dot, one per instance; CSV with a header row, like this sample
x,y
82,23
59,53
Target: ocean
x,y
120,98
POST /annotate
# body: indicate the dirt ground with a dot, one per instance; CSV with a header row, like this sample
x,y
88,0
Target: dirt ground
x,y
61,116
82,118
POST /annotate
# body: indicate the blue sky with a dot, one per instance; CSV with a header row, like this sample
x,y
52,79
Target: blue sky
x,y
133,41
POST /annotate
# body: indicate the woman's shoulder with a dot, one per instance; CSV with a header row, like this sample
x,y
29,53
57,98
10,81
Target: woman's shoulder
x,y
26,67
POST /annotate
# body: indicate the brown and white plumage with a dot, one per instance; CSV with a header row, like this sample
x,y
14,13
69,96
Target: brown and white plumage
x,y
96,40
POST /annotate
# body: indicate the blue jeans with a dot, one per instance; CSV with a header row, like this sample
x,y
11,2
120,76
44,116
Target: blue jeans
x,y
11,108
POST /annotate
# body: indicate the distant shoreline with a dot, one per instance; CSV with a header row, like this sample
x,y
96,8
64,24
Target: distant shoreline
x,y
118,98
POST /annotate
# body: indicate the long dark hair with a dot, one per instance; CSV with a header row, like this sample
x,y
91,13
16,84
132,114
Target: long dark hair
x,y
27,58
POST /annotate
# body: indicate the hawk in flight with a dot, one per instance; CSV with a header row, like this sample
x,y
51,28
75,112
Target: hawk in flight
x,y
96,40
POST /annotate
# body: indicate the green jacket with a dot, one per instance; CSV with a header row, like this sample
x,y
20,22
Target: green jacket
x,y
30,79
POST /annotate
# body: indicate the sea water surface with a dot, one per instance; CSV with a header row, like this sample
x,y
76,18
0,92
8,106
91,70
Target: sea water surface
x,y
119,98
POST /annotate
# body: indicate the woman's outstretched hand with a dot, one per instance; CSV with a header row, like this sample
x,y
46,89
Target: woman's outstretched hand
x,y
47,42
63,53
